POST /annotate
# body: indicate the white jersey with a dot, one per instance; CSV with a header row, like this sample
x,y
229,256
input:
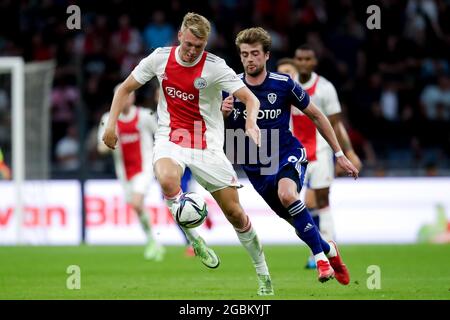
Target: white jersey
x,y
190,97
135,131
324,96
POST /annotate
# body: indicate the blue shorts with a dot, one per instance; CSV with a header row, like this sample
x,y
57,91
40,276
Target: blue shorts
x,y
185,180
267,186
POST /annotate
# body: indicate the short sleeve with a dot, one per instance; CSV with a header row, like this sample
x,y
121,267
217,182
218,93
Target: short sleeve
x,y
145,70
226,79
299,97
331,102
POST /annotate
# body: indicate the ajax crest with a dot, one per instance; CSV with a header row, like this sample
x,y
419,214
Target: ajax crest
x,y
200,83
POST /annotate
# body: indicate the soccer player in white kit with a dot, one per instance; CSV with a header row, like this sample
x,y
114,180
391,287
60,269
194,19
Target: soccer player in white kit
x,y
133,163
191,131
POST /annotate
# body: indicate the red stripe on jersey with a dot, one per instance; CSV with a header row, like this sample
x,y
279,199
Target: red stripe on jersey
x,y
312,89
305,129
130,144
187,127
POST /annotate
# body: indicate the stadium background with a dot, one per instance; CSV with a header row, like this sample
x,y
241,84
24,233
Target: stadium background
x,y
382,76
393,84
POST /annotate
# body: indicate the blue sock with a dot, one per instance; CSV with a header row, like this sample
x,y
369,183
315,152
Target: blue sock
x,y
306,229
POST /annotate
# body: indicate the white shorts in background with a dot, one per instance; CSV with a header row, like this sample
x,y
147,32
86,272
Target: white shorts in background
x,y
140,183
211,168
320,173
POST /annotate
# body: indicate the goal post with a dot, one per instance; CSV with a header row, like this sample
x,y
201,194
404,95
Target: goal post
x,y
15,66
30,87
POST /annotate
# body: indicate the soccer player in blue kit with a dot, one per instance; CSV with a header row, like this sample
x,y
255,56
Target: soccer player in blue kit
x,y
278,175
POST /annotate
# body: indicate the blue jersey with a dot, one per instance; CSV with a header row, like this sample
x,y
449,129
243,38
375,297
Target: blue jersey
x,y
276,95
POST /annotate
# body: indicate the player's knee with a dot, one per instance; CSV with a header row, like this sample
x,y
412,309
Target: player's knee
x,y
287,197
169,181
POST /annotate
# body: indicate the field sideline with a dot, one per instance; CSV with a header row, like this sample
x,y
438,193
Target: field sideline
x,y
120,272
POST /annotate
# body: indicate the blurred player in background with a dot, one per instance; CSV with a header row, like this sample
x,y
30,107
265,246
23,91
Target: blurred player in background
x,y
5,171
321,167
281,187
191,131
133,162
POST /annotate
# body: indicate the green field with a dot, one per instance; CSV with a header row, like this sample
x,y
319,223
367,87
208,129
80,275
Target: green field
x,y
120,272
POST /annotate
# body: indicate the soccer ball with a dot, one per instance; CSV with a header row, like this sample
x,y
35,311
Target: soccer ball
x,y
191,210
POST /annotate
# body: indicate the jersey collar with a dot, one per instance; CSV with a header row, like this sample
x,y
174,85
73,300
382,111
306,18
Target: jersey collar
x,y
130,116
259,85
185,64
308,84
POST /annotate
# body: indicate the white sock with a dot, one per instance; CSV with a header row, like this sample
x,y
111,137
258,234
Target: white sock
x,y
332,253
249,239
326,223
145,224
191,234
170,200
320,256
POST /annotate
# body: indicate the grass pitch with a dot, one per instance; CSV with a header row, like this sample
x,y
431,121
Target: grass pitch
x,y
120,272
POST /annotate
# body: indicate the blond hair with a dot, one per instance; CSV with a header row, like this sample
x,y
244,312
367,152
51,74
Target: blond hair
x,y
253,36
197,24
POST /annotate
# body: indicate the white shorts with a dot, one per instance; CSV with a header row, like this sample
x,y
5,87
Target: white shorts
x,y
211,168
140,183
320,173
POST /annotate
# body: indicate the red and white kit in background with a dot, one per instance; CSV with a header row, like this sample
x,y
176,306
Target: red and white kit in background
x,y
320,171
190,122
133,156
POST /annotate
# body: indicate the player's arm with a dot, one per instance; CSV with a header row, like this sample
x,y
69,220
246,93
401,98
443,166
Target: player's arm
x,y
344,140
326,130
101,146
228,81
252,106
118,103
227,106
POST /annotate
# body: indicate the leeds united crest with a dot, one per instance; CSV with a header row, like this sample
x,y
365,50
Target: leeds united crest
x,y
272,97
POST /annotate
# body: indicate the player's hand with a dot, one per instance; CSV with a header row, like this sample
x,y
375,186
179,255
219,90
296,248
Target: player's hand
x,y
252,130
227,105
110,137
347,166
354,159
